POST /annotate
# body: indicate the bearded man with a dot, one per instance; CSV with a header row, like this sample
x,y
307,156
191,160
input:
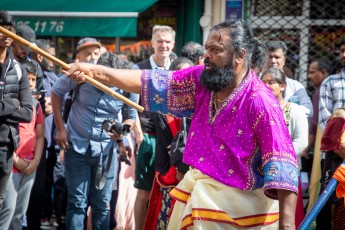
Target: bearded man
x,y
239,166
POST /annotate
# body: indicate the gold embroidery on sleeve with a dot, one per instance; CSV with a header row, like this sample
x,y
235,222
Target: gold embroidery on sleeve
x,y
158,99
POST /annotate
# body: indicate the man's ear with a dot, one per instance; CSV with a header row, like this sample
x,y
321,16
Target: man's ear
x,y
77,58
39,58
240,56
324,73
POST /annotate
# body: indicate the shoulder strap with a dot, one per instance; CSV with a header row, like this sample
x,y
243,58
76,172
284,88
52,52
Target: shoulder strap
x,y
76,92
101,178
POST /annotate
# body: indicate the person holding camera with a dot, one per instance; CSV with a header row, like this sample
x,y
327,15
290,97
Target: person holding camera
x,y
90,164
15,102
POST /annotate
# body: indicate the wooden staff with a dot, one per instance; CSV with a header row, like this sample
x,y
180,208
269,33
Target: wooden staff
x,y
65,66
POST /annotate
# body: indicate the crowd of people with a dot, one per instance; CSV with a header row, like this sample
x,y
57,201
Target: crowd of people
x,y
222,142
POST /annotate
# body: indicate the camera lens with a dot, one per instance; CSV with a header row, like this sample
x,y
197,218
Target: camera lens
x,y
110,125
107,126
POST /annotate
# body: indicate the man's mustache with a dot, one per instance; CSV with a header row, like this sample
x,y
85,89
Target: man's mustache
x,y
208,62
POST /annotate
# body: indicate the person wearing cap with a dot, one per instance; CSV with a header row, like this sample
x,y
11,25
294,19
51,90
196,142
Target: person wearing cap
x,y
22,53
88,50
15,102
86,143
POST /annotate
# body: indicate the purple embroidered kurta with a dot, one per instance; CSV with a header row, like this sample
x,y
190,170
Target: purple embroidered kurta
x,y
245,144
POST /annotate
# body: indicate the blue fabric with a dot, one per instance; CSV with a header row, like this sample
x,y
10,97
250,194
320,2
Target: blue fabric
x,y
296,93
90,108
332,97
278,172
80,173
49,79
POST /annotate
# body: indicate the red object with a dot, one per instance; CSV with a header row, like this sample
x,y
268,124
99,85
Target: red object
x,y
174,124
299,216
331,138
167,180
155,204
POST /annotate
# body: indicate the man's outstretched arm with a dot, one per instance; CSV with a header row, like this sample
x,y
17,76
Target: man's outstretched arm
x,y
128,80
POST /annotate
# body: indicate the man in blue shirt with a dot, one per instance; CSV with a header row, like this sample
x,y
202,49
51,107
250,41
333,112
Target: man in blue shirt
x,y
86,144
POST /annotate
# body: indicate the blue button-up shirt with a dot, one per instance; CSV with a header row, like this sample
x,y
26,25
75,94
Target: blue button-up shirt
x,y
89,109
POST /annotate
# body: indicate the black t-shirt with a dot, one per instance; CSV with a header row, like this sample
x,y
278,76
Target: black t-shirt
x,y
164,139
146,118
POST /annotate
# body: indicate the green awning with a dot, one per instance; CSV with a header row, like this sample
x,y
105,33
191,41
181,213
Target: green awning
x,y
102,18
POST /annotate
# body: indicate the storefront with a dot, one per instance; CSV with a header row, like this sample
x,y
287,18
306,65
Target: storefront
x,y
65,21
119,25
69,18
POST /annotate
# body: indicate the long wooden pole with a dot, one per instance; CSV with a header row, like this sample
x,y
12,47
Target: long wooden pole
x,y
65,66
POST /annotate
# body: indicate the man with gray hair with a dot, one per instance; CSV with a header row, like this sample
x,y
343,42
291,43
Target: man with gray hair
x,y
163,41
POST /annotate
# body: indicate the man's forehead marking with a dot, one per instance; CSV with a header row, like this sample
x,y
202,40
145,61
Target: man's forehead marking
x,y
217,35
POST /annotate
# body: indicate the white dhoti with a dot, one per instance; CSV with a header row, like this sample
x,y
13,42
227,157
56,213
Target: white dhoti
x,y
203,203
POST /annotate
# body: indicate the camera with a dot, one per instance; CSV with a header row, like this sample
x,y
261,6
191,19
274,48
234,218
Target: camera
x,y
110,125
35,92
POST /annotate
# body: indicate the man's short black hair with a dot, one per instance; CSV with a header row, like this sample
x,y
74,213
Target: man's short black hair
x,y
175,65
44,44
322,65
6,19
274,45
114,61
29,67
193,51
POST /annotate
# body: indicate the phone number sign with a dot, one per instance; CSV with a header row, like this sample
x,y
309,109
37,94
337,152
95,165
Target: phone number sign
x,y
55,26
44,27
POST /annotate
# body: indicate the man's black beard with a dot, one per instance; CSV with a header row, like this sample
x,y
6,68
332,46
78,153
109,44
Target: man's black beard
x,y
216,79
45,65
